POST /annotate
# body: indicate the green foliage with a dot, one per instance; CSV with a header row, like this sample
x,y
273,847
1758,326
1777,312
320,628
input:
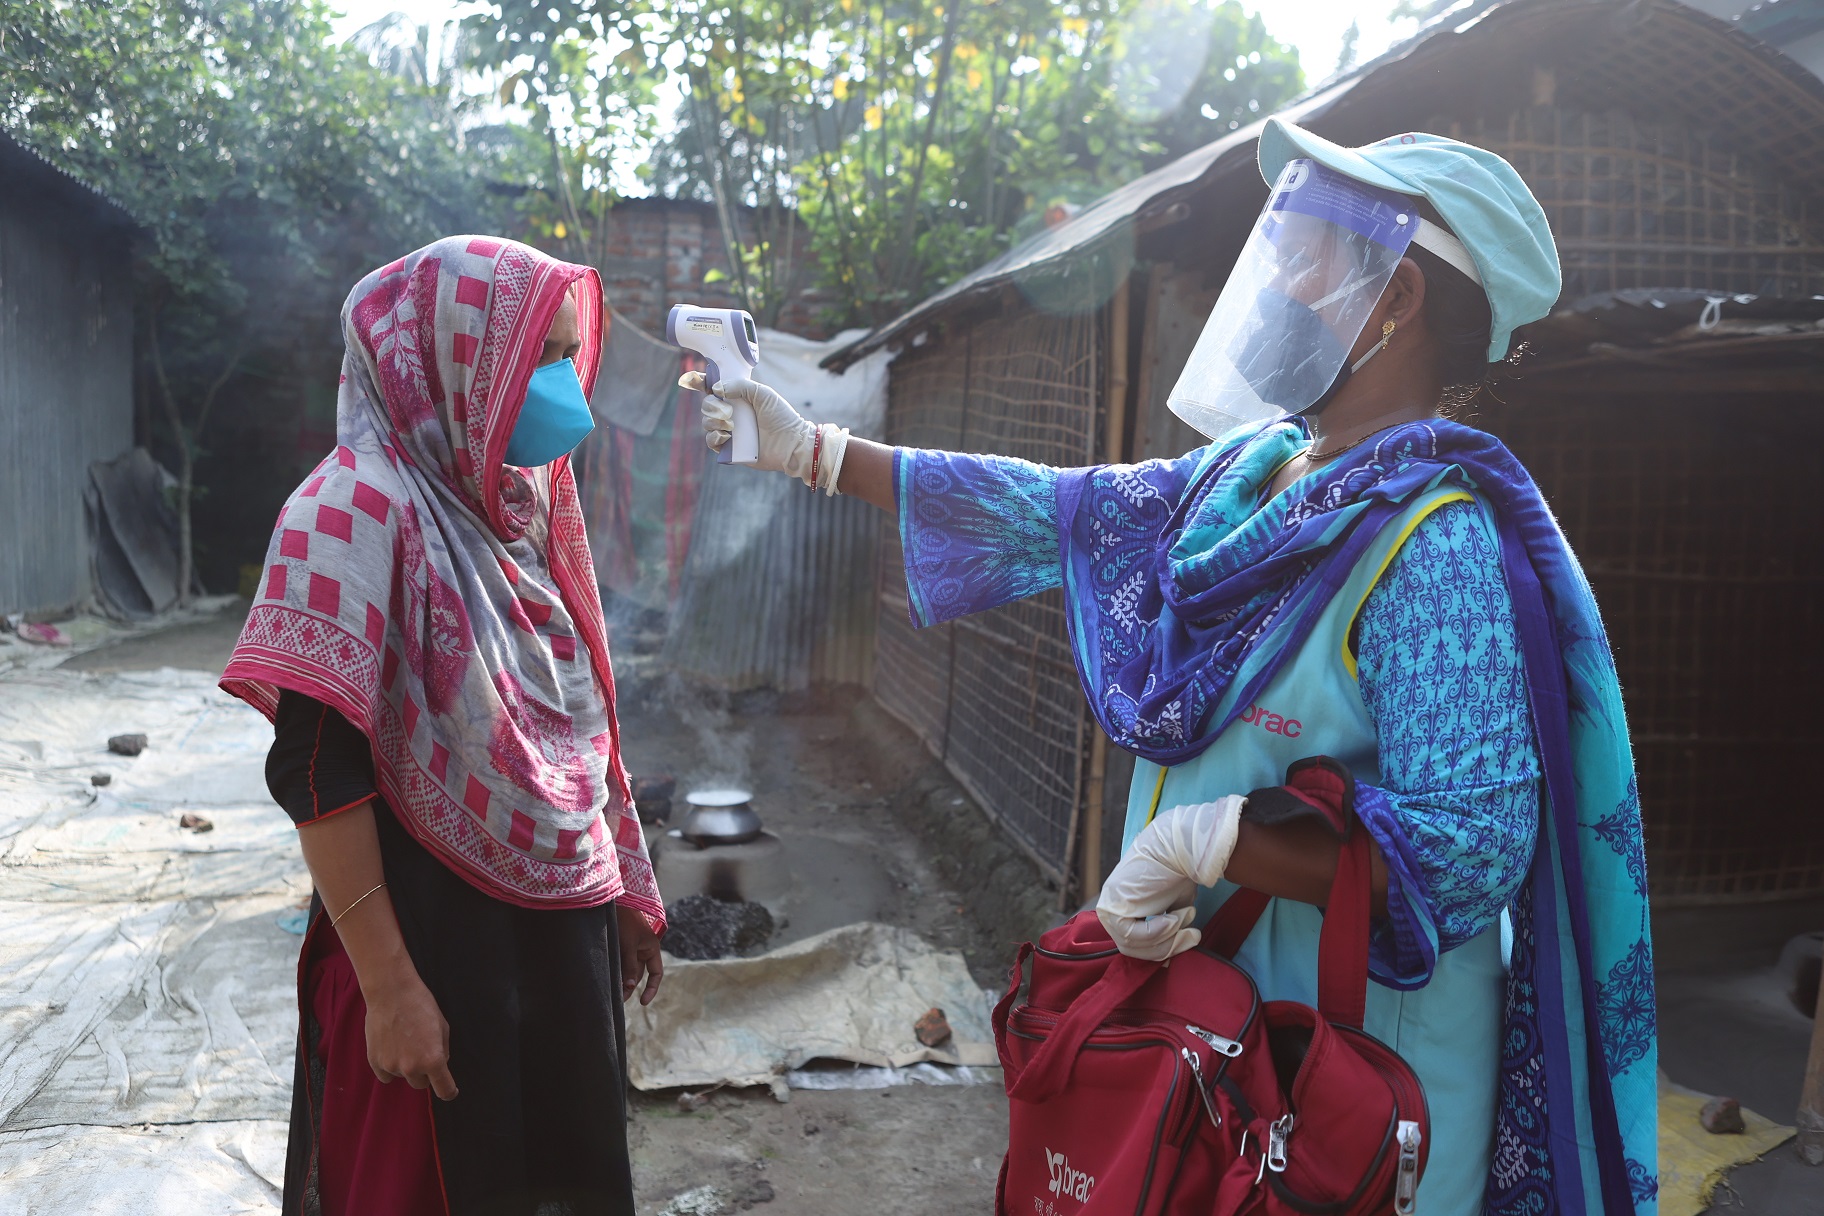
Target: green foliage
x,y
234,131
589,75
913,139
269,167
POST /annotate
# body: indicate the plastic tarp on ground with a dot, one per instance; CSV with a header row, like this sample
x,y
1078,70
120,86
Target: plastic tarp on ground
x,y
851,993
1692,1161
148,1003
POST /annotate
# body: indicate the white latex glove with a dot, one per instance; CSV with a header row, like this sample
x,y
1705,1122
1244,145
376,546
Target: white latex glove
x,y
788,441
1146,902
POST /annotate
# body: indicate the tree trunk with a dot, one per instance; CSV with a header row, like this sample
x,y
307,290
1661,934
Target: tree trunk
x,y
186,439
186,477
186,551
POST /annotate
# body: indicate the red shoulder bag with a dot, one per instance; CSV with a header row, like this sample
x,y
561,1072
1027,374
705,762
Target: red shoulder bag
x,y
1149,1089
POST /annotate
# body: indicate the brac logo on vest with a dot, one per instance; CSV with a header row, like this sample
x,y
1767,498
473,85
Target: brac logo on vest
x,y
1272,723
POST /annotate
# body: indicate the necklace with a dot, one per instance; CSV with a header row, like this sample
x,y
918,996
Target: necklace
x,y
1308,455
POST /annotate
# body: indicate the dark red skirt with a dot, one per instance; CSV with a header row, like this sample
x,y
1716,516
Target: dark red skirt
x,y
536,1048
376,1145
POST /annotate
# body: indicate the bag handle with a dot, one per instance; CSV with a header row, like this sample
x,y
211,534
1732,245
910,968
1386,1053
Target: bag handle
x,y
1048,1072
1004,1006
1342,946
1318,784
1230,926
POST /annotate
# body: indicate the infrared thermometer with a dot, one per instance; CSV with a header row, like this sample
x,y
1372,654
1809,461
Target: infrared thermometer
x,y
726,338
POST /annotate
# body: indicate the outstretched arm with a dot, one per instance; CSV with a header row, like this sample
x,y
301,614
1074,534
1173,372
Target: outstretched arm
x,y
823,456
867,474
982,531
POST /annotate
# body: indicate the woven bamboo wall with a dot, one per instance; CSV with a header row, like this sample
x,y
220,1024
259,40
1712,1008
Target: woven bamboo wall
x,y
995,695
1637,203
1699,524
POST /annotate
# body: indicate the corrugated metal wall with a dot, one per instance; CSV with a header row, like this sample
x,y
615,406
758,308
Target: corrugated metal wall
x,y
66,393
778,590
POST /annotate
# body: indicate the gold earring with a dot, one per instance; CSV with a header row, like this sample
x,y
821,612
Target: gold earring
x,y
1387,329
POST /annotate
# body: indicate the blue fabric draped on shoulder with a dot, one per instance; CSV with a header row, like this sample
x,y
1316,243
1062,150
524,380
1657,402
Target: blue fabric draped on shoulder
x,y
1175,578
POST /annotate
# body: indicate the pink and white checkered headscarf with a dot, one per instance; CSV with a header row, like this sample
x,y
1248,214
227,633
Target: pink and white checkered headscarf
x,y
404,590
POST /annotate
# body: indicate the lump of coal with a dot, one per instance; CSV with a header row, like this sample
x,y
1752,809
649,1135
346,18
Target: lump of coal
x,y
698,927
127,745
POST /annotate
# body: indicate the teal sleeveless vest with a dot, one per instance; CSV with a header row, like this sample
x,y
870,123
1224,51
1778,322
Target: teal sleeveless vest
x,y
1449,1031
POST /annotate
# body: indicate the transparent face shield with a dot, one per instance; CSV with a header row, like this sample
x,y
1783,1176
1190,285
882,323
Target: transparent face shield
x,y
1281,332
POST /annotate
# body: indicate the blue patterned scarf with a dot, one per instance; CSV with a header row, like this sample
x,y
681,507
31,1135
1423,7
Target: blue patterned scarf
x,y
1175,577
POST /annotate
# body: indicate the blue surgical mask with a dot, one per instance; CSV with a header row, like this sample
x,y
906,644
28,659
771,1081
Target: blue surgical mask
x,y
554,419
1286,359
1290,357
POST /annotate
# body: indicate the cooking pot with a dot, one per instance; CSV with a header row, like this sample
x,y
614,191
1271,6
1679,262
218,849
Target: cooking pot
x,y
719,817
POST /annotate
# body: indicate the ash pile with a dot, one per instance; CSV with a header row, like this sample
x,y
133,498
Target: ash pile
x,y
704,927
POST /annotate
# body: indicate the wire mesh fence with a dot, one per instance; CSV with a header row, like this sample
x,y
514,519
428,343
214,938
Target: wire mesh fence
x,y
1637,203
1700,528
996,695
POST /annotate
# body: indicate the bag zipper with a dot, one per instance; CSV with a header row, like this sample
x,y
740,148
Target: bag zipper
x,y
1277,1136
1209,1106
1406,1181
1222,1046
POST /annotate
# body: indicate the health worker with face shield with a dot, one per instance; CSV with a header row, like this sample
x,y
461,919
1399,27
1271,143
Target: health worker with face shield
x,y
1346,583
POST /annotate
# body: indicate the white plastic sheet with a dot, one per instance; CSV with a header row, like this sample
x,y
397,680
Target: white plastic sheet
x,y
864,1077
148,1006
851,993
197,1169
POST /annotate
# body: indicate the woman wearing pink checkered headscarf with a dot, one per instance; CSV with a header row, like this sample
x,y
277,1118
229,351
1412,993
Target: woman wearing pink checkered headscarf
x,y
429,644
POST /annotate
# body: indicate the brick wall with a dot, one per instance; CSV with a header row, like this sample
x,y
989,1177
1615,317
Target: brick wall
x,y
660,250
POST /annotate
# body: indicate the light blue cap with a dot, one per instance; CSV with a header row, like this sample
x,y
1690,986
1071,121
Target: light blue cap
x,y
1477,193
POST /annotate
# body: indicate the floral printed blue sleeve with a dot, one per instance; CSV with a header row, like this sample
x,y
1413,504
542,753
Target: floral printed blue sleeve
x,y
978,531
1457,810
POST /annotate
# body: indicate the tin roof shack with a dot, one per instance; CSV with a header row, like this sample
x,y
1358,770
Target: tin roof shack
x,y
66,372
1671,151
